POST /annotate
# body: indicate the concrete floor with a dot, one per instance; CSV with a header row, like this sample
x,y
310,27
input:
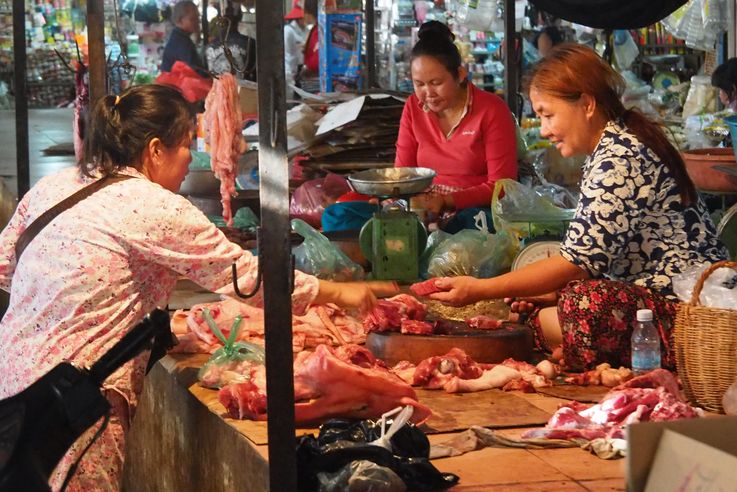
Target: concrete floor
x,y
46,127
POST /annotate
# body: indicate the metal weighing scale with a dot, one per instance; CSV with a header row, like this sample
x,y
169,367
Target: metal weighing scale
x,y
394,238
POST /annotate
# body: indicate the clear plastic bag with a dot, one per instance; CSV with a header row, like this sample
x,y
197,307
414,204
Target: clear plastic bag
x,y
312,197
523,211
233,362
361,476
719,291
321,258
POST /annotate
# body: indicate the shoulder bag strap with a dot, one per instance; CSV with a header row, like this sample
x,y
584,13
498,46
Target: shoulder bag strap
x,y
43,220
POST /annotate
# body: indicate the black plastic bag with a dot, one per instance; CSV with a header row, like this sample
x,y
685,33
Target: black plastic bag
x,y
342,441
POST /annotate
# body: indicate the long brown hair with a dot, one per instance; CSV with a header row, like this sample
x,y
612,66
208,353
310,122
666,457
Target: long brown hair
x,y
570,70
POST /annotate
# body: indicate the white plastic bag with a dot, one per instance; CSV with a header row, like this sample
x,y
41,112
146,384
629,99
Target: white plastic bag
x,y
719,290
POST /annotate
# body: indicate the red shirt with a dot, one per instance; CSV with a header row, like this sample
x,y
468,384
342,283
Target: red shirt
x,y
312,58
481,149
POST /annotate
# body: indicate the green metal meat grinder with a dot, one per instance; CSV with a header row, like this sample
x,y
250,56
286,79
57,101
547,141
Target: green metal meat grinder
x,y
394,238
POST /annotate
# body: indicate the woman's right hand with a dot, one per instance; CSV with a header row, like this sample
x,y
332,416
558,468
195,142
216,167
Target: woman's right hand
x,y
359,295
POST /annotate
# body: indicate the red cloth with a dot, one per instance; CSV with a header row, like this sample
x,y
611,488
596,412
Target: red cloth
x,y
481,150
312,58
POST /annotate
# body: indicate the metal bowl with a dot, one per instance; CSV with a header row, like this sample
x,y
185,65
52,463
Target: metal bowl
x,y
200,182
392,181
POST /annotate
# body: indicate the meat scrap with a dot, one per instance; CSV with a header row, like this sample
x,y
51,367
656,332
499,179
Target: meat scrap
x,y
484,323
456,372
223,122
654,396
603,374
425,288
326,386
388,314
414,327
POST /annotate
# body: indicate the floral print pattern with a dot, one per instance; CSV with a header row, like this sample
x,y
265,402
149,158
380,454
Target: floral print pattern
x,y
630,224
91,275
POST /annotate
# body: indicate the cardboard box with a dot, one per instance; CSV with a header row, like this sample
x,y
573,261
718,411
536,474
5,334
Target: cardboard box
x,y
341,6
643,441
248,93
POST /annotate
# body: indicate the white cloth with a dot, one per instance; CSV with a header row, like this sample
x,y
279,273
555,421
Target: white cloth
x,y
294,40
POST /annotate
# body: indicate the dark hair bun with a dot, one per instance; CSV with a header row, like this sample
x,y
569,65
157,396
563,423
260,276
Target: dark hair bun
x,y
435,30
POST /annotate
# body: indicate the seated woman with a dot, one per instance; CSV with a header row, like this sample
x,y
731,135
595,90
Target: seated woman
x,y
465,134
639,221
724,78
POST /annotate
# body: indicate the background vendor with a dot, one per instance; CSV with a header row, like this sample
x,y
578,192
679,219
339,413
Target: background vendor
x,y
639,221
465,134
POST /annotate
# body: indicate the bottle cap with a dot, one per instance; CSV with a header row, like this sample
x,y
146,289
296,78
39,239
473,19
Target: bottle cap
x,y
644,315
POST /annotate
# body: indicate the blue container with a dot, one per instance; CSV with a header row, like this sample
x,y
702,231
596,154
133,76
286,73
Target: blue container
x,y
731,122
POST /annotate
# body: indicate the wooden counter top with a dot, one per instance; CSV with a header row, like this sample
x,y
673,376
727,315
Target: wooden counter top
x,y
180,442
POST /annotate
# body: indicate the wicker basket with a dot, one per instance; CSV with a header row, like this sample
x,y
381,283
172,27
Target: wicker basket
x,y
706,347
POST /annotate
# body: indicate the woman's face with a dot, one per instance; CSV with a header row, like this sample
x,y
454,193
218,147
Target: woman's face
x,y
724,97
171,165
568,125
434,86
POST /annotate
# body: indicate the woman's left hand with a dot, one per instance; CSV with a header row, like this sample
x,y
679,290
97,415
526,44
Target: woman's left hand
x,y
430,202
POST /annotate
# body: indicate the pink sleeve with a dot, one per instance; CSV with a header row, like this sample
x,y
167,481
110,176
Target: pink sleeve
x,y
501,156
406,142
8,239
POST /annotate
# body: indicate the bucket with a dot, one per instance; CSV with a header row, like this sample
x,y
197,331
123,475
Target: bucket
x,y
731,122
700,164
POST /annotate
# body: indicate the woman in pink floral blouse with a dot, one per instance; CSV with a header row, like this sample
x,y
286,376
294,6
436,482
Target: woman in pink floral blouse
x,y
99,267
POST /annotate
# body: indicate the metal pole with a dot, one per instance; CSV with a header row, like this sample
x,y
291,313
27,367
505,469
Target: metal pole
x,y
96,47
512,54
206,32
370,44
275,255
21,97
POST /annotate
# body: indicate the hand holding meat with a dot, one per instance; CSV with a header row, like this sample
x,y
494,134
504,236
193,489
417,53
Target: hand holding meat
x,y
458,291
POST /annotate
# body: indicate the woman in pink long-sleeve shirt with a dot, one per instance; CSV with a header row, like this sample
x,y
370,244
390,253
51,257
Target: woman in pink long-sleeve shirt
x,y
465,134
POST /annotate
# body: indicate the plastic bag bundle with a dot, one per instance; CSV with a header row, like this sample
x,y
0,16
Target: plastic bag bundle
x,y
342,457
312,197
233,362
321,258
475,253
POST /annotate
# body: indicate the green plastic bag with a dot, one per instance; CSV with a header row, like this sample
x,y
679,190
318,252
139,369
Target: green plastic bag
x,y
524,212
244,218
472,252
232,362
321,258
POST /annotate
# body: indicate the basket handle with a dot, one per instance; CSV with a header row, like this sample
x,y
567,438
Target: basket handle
x,y
700,283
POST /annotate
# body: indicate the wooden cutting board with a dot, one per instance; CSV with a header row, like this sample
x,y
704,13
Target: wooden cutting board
x,y
490,346
491,408
584,394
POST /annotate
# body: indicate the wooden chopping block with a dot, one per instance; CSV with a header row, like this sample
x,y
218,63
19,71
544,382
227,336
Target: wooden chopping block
x,y
489,346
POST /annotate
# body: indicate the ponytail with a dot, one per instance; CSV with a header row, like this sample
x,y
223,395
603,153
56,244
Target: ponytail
x,y
120,127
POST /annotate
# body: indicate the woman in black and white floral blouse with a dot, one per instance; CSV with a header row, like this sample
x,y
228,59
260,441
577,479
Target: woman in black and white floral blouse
x,y
639,221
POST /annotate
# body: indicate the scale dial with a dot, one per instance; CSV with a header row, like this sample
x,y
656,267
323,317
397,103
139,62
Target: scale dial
x,y
539,250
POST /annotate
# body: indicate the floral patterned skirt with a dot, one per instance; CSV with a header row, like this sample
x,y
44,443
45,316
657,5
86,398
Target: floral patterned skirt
x,y
597,318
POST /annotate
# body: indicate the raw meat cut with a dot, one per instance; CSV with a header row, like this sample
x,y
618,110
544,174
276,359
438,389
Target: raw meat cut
x,y
456,372
388,314
424,288
326,386
223,122
414,327
484,323
320,324
651,397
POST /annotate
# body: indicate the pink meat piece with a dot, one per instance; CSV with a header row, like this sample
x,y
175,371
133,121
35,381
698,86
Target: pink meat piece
x,y
650,397
497,377
359,356
414,327
405,370
484,323
425,288
388,314
327,386
321,324
223,122
434,372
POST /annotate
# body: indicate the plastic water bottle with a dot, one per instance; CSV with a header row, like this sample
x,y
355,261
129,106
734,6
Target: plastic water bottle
x,y
645,343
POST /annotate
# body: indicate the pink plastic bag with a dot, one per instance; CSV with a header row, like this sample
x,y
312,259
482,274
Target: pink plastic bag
x,y
312,197
194,87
